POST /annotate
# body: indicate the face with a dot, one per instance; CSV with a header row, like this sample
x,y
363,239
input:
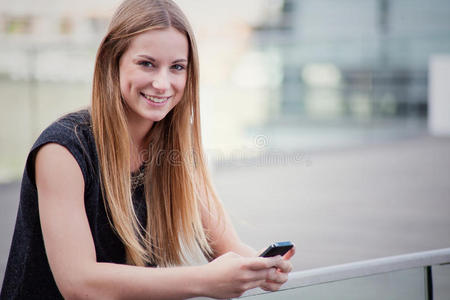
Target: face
x,y
153,72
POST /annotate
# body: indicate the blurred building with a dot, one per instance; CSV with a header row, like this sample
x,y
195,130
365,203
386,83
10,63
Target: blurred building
x,y
353,59
51,40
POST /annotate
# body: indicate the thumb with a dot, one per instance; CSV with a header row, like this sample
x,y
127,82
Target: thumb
x,y
289,254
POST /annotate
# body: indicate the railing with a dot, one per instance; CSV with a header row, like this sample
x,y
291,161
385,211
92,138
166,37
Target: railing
x,y
409,276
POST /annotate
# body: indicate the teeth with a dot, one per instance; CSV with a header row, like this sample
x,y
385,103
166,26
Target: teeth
x,y
154,99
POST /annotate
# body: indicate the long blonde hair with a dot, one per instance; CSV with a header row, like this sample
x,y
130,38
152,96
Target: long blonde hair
x,y
177,183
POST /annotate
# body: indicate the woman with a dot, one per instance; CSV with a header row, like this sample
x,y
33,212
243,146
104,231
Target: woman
x,y
86,228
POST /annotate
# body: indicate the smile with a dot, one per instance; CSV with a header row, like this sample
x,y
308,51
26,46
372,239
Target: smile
x,y
155,99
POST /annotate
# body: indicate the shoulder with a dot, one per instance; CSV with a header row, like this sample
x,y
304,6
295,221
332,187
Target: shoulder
x,y
74,133
68,126
57,168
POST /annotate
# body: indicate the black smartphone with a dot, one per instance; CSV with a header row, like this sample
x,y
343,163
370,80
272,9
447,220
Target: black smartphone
x,y
280,248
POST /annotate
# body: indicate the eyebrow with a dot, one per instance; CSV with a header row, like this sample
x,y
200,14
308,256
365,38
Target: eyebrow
x,y
154,60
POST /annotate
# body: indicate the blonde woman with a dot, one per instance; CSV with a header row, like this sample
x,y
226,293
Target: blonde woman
x,y
116,199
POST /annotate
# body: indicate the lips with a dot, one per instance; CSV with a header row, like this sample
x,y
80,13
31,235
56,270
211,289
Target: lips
x,y
155,99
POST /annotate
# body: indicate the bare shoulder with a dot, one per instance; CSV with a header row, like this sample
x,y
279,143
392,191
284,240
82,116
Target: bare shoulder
x,y
56,167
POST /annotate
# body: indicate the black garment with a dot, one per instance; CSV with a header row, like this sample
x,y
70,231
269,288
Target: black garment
x,y
28,274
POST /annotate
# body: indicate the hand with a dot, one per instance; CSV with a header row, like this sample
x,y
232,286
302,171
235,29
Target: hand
x,y
230,275
279,276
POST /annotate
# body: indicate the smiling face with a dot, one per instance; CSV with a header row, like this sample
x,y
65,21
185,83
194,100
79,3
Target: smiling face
x,y
153,72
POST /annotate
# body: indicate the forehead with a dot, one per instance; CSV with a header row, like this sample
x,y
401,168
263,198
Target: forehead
x,y
161,44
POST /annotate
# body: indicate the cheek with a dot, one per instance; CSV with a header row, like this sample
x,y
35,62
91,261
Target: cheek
x,y
131,82
123,83
181,84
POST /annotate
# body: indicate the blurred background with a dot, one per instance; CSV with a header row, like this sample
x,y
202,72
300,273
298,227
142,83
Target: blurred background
x,y
325,122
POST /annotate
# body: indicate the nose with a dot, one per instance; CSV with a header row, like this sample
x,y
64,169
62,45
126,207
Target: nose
x,y
161,81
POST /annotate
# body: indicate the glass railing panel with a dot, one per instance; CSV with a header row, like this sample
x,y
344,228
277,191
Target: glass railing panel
x,y
399,285
441,282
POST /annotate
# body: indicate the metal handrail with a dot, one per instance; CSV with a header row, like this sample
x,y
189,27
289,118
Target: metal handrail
x,y
424,259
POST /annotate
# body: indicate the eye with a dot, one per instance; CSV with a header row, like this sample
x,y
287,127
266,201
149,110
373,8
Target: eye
x,y
178,67
146,64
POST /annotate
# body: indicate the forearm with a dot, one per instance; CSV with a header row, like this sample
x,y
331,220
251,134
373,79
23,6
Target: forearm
x,y
226,277
114,281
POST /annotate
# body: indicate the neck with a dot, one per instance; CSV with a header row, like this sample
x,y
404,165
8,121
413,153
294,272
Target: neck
x,y
138,130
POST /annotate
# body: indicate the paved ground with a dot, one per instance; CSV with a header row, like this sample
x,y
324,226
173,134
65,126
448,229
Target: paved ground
x,y
346,205
338,206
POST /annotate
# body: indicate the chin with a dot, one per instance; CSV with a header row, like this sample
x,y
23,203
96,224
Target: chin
x,y
154,117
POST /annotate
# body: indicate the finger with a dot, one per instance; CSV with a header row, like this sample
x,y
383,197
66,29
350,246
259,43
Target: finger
x,y
259,275
259,263
276,277
254,284
270,286
289,254
284,266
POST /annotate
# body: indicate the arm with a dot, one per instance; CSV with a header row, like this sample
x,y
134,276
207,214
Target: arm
x,y
225,239
71,252
223,235
221,231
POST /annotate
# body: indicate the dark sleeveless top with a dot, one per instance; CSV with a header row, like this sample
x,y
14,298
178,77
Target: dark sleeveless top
x,y
28,274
